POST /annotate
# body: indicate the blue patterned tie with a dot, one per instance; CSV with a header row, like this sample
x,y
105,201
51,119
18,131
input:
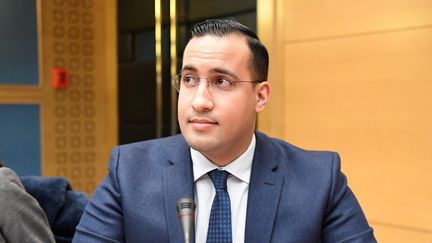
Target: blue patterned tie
x,y
219,230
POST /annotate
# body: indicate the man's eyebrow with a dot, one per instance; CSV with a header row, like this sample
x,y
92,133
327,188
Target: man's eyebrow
x,y
224,71
215,70
189,68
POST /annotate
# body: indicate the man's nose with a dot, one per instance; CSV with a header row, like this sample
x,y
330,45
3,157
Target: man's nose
x,y
203,99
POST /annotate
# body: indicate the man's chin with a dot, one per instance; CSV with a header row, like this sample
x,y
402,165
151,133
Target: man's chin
x,y
200,143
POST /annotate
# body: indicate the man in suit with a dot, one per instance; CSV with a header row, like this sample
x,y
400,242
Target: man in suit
x,y
21,217
272,191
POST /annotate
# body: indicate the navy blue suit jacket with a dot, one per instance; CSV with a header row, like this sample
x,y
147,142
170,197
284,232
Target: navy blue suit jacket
x,y
294,196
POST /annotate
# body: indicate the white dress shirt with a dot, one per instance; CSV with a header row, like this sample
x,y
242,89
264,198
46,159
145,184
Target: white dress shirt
x,y
238,187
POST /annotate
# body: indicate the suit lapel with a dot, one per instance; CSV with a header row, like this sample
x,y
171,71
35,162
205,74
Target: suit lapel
x,y
178,183
264,191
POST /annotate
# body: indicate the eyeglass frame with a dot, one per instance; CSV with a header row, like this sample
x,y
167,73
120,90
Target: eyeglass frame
x,y
177,80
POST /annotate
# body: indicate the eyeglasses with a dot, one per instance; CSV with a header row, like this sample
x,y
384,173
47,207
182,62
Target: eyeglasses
x,y
189,82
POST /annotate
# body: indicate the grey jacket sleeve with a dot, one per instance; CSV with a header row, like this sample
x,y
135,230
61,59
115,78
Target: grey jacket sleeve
x,y
21,217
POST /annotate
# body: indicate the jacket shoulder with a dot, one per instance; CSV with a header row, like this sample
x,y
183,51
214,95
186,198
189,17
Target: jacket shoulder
x,y
148,155
289,153
165,143
8,177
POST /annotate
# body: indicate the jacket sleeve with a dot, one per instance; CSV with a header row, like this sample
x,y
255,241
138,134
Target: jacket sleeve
x,y
102,220
62,206
21,217
344,220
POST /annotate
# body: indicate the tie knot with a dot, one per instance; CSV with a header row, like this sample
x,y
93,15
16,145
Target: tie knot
x,y
219,178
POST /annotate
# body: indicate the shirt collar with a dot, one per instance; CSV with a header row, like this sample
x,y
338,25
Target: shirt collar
x,y
240,167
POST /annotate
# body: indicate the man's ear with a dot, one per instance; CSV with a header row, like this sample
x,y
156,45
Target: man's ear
x,y
262,91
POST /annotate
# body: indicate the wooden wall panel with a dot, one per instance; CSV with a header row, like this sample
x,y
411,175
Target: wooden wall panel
x,y
270,29
356,77
396,234
79,123
369,100
315,19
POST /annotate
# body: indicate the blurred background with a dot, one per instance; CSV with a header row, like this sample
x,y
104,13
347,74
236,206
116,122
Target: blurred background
x,y
78,77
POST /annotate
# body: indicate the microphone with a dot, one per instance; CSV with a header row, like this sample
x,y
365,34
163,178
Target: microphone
x,y
186,213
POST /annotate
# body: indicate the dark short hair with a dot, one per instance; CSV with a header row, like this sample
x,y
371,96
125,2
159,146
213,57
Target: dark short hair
x,y
225,27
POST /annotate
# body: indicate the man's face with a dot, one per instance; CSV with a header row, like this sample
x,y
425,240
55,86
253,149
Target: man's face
x,y
219,124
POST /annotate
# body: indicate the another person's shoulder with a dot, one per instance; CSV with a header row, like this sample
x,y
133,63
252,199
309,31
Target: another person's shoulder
x,y
8,178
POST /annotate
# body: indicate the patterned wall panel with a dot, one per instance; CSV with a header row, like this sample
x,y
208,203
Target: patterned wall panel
x,y
80,124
